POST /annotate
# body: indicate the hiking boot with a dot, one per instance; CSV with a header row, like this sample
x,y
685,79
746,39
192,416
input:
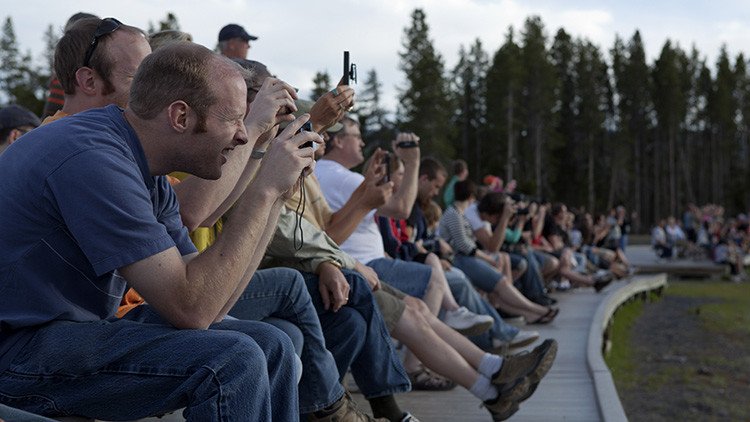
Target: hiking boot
x,y
526,366
501,408
467,322
344,410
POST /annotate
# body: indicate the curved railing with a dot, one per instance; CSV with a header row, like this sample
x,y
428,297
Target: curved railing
x,y
610,407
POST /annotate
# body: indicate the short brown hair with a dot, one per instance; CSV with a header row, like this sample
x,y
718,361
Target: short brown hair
x,y
176,71
167,36
431,167
71,49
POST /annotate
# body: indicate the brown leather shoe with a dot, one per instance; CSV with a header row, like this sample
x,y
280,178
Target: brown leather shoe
x,y
531,366
347,411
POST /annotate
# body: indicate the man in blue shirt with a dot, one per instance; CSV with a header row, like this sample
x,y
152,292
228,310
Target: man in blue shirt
x,y
86,207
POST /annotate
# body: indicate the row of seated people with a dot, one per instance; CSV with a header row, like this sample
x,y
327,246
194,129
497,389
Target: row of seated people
x,y
253,284
705,233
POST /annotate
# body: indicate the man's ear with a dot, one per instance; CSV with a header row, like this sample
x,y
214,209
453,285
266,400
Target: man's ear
x,y
86,81
13,135
178,116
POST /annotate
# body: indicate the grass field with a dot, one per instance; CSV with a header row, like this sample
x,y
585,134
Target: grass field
x,y
686,355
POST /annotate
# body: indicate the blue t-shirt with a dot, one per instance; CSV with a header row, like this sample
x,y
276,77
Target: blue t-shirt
x,y
77,202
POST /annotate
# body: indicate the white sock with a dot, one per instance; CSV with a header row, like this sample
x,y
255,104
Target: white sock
x,y
490,364
483,389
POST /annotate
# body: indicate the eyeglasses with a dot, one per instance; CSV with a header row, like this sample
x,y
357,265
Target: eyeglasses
x,y
107,26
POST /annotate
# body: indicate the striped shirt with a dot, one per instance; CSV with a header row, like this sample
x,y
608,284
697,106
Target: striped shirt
x,y
456,230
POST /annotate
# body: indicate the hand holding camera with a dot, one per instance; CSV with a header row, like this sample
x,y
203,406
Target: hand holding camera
x,y
272,105
406,147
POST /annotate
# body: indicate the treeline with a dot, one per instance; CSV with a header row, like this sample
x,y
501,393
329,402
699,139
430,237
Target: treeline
x,y
572,122
565,118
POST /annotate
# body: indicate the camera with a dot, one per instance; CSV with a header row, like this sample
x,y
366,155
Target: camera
x,y
407,144
523,211
307,127
350,70
387,162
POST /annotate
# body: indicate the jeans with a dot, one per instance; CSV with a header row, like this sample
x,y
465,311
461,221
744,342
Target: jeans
x,y
358,339
466,295
531,283
482,275
138,366
281,293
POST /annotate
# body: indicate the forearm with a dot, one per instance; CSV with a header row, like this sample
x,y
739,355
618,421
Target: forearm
x,y
344,221
215,276
256,257
400,204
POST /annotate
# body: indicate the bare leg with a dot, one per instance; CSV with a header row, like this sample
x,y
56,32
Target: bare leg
x,y
448,301
417,334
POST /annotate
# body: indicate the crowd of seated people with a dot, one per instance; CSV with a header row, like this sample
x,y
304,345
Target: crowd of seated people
x,y
172,244
705,232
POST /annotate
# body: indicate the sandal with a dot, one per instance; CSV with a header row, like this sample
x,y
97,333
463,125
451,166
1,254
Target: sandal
x,y
426,380
548,317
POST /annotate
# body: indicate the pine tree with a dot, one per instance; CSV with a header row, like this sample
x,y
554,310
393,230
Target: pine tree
x,y
537,96
19,81
372,116
424,106
468,88
567,146
321,85
503,98
169,22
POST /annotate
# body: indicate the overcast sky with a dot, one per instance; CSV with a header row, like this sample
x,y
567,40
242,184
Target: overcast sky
x,y
299,37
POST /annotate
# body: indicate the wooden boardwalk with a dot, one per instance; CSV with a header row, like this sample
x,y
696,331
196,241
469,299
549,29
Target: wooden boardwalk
x,y
565,394
578,383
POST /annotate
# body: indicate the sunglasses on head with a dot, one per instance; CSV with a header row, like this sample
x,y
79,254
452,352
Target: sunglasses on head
x,y
106,26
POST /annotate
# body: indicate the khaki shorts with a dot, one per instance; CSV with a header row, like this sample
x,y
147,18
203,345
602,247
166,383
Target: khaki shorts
x,y
391,303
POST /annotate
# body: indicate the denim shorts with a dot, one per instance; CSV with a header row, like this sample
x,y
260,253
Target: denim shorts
x,y
411,278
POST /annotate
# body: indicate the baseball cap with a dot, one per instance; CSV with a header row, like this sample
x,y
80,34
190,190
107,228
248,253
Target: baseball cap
x,y
235,31
14,116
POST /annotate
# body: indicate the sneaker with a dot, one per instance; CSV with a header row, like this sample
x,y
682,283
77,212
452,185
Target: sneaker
x,y
345,411
564,285
467,322
408,417
530,367
523,338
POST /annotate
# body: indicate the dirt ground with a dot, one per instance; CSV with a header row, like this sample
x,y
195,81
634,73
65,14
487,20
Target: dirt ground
x,y
684,370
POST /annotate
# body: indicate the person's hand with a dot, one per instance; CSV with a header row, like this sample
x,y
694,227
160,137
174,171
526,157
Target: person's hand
x,y
369,274
284,160
333,287
331,107
410,156
273,104
374,193
445,264
445,247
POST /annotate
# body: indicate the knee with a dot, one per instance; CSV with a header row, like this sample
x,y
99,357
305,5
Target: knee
x,y
415,314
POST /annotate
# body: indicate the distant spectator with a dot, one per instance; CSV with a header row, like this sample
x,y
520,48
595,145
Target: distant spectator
x,y
460,173
15,120
493,183
660,241
162,38
234,41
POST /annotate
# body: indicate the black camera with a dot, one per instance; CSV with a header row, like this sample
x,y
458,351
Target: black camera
x,y
387,162
307,127
522,211
350,70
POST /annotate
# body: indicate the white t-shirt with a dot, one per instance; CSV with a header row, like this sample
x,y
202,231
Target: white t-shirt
x,y
338,183
472,214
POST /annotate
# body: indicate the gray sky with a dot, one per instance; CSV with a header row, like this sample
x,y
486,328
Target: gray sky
x,y
300,37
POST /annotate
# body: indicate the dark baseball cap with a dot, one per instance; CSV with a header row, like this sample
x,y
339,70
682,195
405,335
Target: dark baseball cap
x,y
235,31
15,116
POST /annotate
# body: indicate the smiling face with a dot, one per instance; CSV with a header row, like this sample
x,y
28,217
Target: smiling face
x,y
222,129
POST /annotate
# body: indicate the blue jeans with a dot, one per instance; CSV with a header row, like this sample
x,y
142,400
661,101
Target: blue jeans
x,y
138,366
466,295
358,338
281,293
531,283
410,277
482,275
